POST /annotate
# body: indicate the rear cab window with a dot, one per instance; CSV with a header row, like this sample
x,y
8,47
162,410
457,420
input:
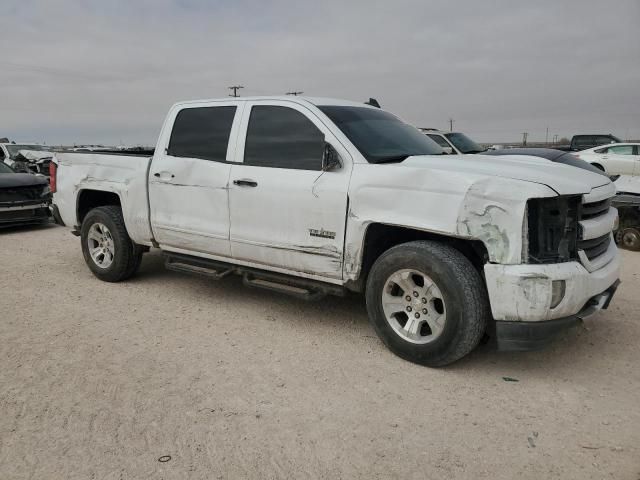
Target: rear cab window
x,y
202,132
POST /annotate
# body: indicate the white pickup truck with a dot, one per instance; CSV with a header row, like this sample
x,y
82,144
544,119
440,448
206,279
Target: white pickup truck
x,y
314,196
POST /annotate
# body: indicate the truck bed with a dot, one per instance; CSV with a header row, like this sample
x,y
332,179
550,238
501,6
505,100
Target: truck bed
x,y
124,175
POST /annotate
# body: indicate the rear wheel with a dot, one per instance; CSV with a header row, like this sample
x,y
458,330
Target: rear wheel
x,y
427,302
108,251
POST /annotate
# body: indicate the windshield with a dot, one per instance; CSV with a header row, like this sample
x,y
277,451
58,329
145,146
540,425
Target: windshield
x,y
379,136
14,149
4,168
464,143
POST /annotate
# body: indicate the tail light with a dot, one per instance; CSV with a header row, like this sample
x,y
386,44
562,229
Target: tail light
x,y
53,173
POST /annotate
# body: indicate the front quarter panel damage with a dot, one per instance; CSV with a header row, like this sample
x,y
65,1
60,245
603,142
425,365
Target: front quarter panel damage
x,y
493,211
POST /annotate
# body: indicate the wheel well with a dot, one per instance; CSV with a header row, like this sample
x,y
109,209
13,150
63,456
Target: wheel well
x,y
381,237
90,199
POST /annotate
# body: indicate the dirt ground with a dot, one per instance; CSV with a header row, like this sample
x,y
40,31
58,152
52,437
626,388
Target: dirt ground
x,y
99,381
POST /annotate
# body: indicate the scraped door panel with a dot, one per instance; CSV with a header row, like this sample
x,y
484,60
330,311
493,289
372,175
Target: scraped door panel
x,y
189,205
188,183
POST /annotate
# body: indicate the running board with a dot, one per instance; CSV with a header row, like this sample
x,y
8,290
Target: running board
x,y
253,278
185,264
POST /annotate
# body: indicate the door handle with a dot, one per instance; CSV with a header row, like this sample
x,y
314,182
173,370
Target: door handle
x,y
245,183
158,174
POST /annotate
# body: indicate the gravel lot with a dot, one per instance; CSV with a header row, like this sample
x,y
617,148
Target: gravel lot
x,y
101,380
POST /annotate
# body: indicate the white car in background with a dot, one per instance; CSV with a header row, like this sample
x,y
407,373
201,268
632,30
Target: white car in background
x,y
614,159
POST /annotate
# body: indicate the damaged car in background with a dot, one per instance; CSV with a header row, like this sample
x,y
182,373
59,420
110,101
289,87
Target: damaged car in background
x,y
311,196
24,198
26,158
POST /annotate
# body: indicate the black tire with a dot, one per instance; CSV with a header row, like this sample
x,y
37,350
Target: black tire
x,y
463,291
631,239
127,256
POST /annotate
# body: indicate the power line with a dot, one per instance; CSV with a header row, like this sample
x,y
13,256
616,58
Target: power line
x,y
235,89
295,93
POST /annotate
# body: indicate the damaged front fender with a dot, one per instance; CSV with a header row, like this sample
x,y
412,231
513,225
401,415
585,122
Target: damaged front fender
x,y
493,211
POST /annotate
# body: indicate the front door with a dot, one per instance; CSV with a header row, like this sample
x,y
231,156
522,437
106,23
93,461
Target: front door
x,y
188,196
285,211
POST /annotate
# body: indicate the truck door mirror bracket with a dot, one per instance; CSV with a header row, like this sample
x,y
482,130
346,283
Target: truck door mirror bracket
x,y
330,158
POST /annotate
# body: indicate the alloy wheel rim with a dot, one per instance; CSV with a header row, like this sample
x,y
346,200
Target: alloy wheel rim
x,y
101,245
413,306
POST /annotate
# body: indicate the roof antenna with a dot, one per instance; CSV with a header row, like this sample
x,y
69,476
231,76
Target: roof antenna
x,y
373,102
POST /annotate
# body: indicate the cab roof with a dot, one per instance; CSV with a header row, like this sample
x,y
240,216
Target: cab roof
x,y
318,101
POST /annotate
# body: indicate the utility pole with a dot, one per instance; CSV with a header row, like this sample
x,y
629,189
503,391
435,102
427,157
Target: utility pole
x,y
546,138
555,138
295,93
235,89
524,138
451,124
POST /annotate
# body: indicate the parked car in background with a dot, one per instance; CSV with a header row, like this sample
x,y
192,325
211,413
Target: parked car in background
x,y
320,196
455,143
584,142
627,201
557,156
615,159
24,197
26,158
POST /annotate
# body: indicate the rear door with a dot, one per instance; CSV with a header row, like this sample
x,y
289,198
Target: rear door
x,y
188,179
619,160
285,211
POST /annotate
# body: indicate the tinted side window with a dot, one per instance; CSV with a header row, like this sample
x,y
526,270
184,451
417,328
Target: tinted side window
x,y
281,137
621,150
439,140
202,133
601,140
584,142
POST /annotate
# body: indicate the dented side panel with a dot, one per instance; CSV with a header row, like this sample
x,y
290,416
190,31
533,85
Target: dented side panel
x,y
493,211
124,175
457,204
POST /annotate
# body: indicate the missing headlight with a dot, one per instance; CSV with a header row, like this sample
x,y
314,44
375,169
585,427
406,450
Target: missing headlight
x,y
553,229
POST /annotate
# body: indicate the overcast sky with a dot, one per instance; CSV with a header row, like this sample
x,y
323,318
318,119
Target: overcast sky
x,y
106,71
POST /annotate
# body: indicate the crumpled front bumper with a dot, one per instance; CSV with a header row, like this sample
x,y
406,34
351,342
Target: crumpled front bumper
x,y
521,297
523,336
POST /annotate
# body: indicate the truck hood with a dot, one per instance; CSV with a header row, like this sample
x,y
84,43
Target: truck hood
x,y
563,179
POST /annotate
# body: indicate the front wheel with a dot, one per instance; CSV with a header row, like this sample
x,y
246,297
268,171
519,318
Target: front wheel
x,y
108,251
427,303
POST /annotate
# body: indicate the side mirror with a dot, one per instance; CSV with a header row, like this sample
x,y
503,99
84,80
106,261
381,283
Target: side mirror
x,y
330,158
448,150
